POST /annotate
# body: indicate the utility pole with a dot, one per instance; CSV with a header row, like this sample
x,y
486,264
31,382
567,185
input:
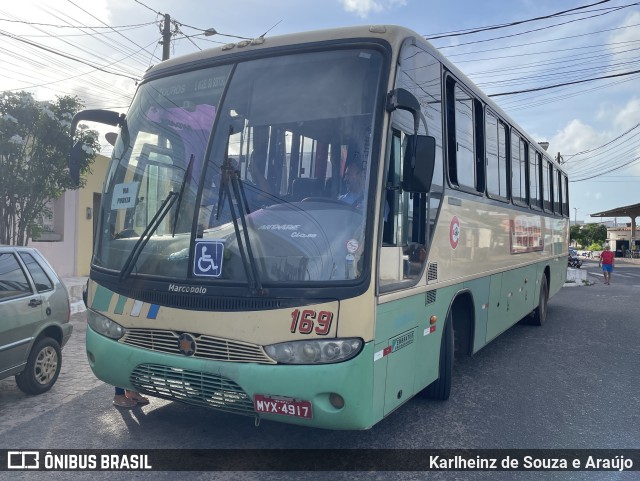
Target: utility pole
x,y
575,216
166,37
559,159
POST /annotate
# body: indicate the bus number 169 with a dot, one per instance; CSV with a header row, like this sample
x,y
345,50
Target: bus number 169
x,y
304,322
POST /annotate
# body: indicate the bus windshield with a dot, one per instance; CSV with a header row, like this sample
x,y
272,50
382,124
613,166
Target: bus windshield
x,y
256,172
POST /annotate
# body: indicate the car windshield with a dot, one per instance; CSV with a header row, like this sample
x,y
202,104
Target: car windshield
x,y
267,183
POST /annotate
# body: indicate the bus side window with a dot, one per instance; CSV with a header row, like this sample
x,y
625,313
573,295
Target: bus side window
x,y
496,155
519,170
557,193
535,161
565,196
461,138
547,193
404,222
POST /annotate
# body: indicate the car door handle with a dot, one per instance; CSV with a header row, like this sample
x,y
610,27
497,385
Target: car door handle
x,y
35,303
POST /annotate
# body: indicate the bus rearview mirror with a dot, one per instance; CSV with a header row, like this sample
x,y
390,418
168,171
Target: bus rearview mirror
x,y
75,159
418,163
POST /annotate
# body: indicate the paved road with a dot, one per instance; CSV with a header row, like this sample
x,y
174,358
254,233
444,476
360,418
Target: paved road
x,y
571,384
625,272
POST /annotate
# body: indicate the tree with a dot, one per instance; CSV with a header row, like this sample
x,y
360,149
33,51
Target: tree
x,y
35,141
594,234
575,234
588,234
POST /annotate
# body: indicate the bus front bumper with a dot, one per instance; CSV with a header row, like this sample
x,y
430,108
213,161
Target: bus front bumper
x,y
233,387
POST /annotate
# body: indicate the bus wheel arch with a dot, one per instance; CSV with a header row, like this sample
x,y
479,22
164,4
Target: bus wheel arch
x,y
539,314
457,338
462,316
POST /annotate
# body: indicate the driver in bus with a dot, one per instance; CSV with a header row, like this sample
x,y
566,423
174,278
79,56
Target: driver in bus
x,y
354,178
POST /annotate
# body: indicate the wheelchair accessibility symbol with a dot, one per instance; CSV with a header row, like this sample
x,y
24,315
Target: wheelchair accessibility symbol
x,y
207,260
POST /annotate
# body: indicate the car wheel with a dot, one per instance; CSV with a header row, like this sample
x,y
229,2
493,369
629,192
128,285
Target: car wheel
x,y
43,367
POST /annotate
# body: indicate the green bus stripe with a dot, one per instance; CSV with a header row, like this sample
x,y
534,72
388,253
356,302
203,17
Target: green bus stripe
x,y
120,305
102,299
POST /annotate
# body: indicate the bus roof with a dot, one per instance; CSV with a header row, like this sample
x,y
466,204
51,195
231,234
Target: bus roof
x,y
391,33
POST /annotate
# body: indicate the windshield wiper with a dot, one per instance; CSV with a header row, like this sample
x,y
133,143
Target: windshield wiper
x,y
164,209
187,175
160,214
231,185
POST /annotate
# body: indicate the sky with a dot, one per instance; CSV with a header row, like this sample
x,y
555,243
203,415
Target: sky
x,y
95,49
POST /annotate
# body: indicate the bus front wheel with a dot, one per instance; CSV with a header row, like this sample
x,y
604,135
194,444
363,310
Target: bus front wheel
x,y
440,389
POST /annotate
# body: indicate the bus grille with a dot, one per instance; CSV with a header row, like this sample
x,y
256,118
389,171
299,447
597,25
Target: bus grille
x,y
430,297
207,347
432,272
192,387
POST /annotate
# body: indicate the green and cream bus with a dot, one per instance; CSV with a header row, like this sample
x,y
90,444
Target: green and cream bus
x,y
310,228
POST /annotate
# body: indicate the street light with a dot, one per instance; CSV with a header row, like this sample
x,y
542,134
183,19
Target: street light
x,y
575,216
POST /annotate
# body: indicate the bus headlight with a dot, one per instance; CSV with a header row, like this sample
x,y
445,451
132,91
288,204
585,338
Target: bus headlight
x,y
317,351
105,326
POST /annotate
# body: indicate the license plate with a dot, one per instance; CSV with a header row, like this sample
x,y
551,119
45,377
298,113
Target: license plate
x,y
283,406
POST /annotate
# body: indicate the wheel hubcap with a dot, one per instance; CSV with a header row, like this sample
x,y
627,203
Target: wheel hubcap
x,y
46,365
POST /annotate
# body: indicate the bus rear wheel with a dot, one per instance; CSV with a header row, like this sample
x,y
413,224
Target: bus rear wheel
x,y
539,315
440,389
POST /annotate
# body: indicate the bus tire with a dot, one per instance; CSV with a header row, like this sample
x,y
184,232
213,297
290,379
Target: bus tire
x,y
539,315
440,389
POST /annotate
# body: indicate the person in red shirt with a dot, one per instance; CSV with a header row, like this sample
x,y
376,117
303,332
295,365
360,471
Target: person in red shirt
x,y
606,262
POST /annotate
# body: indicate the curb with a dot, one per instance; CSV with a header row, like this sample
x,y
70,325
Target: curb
x,y
74,287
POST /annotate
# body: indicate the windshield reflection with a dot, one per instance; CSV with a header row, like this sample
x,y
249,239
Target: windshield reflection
x,y
283,192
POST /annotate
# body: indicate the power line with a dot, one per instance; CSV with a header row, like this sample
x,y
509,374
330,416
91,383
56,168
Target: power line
x,y
112,44
147,7
562,60
501,48
546,87
533,100
93,16
83,34
539,29
61,54
204,30
25,22
603,145
628,164
81,74
511,24
188,38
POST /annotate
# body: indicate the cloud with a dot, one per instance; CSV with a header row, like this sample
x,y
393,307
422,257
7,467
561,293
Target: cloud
x,y
629,115
362,8
622,41
576,136
619,158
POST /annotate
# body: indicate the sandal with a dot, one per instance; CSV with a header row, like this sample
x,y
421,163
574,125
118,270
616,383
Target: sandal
x,y
137,398
122,401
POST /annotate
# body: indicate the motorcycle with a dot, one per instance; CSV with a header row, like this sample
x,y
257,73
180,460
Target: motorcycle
x,y
575,261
